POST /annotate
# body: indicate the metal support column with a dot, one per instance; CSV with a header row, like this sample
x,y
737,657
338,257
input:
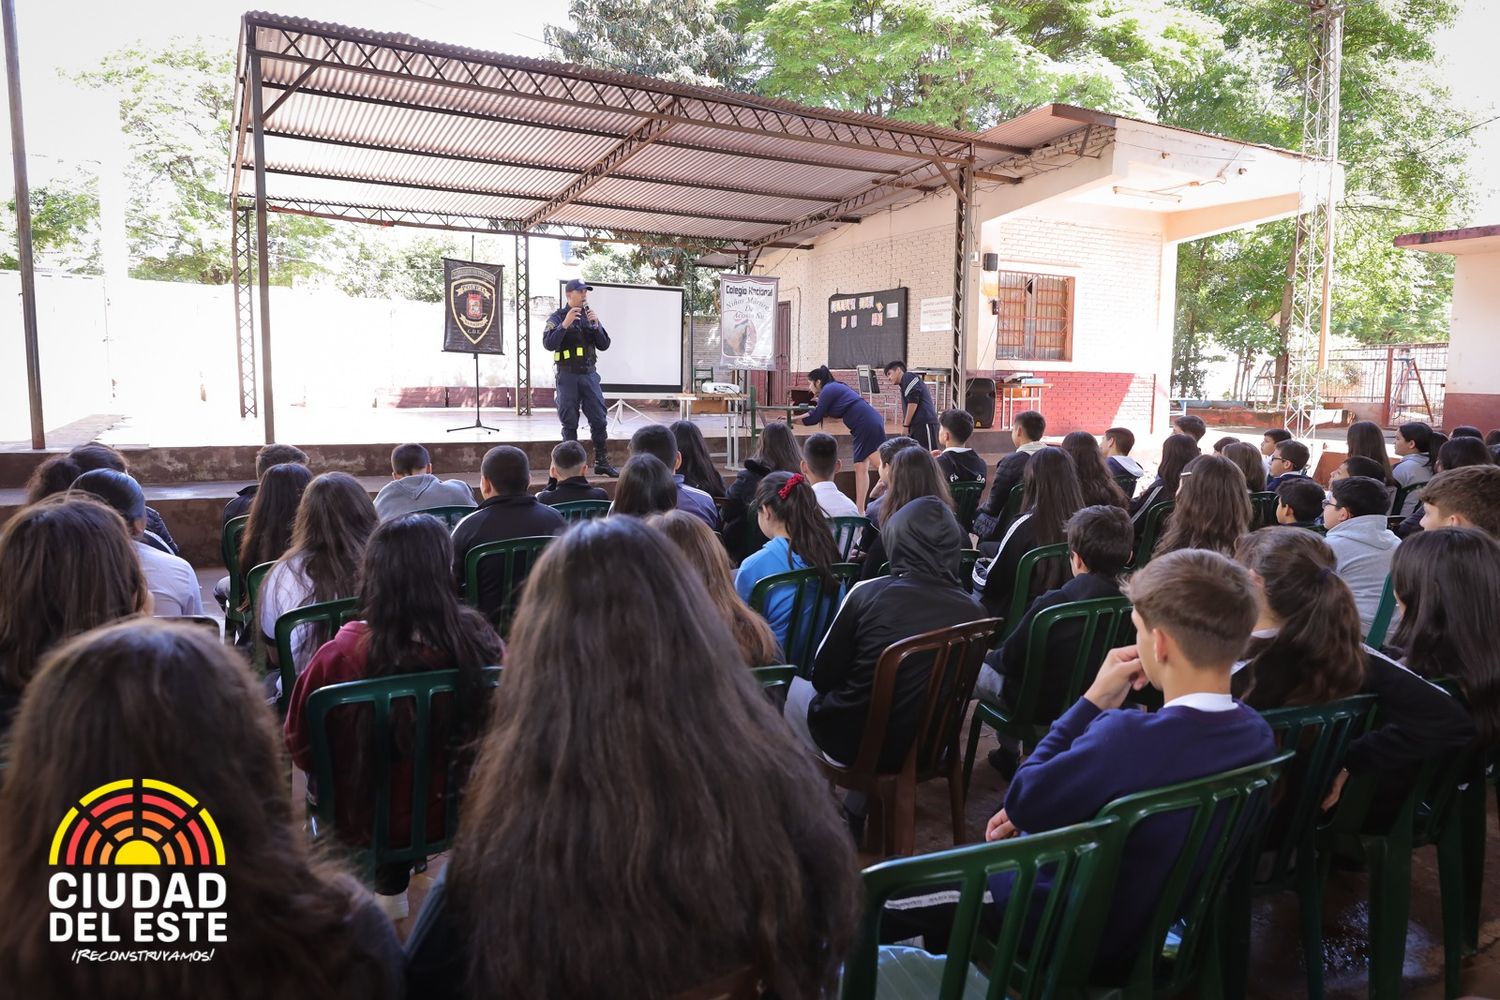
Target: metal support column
x,y
963,250
23,226
523,326
262,250
241,246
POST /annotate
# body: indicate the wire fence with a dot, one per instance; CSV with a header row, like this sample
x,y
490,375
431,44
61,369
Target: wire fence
x,y
1389,385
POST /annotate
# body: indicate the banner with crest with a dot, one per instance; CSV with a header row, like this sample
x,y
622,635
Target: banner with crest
x,y
472,308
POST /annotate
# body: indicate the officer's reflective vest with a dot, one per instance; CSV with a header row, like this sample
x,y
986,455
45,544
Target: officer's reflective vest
x,y
568,354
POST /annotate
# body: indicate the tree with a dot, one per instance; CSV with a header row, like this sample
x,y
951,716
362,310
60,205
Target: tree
x,y
64,228
690,41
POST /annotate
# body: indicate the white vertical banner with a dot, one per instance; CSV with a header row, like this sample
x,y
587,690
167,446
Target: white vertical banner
x,y
747,320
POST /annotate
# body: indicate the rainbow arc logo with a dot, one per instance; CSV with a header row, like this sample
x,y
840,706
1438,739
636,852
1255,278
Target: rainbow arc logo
x,y
137,821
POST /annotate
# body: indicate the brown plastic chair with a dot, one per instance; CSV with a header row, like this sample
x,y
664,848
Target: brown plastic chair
x,y
936,751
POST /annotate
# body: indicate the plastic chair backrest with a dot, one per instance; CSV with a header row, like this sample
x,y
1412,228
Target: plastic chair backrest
x,y
1398,501
1225,813
229,548
1127,483
1262,510
966,502
205,622
774,677
966,560
957,653
847,531
253,580
1020,595
1066,864
516,557
813,608
582,510
1151,529
1013,501
449,515
332,613
1384,612
379,693
1104,623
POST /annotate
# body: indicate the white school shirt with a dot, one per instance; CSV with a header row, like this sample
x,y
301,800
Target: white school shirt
x,y
833,502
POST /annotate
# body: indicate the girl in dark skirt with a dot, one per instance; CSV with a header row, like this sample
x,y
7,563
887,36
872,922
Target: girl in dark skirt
x,y
835,399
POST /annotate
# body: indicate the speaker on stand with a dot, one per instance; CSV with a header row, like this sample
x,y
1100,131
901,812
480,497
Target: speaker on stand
x,y
979,400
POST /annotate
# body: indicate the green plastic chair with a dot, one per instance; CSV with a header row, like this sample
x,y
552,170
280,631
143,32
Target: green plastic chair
x,y
1020,594
1039,965
1286,858
229,547
1013,502
334,614
1262,510
812,609
1398,501
1182,946
1127,483
1151,531
774,677
450,515
517,556
847,531
582,510
1105,624
1384,612
966,502
379,694
253,581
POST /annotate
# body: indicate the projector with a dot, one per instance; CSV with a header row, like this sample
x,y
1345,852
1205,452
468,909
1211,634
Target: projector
x,y
719,388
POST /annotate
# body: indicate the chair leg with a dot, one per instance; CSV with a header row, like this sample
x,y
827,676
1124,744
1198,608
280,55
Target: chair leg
x,y
956,803
1310,912
1473,819
904,817
972,748
1452,875
1390,907
1233,931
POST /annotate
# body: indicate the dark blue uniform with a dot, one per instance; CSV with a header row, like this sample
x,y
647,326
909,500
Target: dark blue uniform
x,y
575,350
865,424
924,422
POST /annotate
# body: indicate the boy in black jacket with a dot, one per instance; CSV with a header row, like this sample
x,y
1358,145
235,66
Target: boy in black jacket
x,y
1026,434
958,461
569,462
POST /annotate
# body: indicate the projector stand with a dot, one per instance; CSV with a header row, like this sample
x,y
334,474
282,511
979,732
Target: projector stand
x,y
478,424
618,411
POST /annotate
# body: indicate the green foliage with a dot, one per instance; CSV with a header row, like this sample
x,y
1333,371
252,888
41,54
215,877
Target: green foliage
x,y
64,228
690,41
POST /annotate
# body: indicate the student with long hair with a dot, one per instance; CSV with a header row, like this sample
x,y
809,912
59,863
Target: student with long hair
x,y
273,515
645,488
706,853
788,514
1213,508
410,622
1051,497
1176,452
756,641
69,566
168,701
1447,585
1307,649
777,451
1094,480
1418,445
94,455
53,476
334,520
912,473
697,466
1365,439
863,421
1248,458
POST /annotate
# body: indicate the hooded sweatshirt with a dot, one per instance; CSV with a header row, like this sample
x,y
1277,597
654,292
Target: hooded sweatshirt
x,y
921,593
423,491
1364,548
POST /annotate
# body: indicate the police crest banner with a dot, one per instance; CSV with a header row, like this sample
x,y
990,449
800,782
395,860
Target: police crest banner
x,y
472,311
747,321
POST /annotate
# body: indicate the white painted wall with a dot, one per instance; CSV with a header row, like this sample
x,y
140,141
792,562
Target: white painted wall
x,y
1474,344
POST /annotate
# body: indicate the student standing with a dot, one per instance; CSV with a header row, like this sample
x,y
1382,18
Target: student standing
x,y
918,414
835,399
788,515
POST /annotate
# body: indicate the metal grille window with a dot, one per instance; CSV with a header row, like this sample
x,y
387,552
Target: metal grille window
x,y
1035,318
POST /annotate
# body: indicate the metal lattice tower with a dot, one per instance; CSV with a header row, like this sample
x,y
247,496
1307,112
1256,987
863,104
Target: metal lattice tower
x,y
1312,283
523,326
242,252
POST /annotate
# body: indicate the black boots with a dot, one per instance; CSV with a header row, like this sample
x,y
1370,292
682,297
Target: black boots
x,y
601,464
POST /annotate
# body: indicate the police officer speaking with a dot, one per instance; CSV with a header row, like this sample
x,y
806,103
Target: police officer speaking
x,y
574,335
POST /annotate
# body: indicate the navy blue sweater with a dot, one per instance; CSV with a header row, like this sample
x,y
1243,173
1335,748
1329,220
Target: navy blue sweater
x,y
1090,758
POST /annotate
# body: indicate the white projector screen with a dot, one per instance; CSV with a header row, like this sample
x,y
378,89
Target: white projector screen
x,y
645,333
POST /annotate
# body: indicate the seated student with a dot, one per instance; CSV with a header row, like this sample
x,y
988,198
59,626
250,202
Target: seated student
x,y
569,470
1118,441
507,511
1466,430
645,488
1222,443
923,592
706,555
1099,543
414,487
654,439
172,582
1355,517
788,514
269,456
1359,465
1176,452
1192,426
268,532
705,787
410,622
777,452
1467,497
913,473
69,566
1026,434
115,686
1269,439
820,464
1307,649
1289,462
697,466
1052,496
333,524
1418,445
1193,614
958,461
1447,586
1299,503
91,456
1492,442
1094,480
1459,453
884,456
1248,458
1366,439
1213,508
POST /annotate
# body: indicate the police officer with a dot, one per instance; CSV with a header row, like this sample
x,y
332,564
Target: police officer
x,y
918,414
574,335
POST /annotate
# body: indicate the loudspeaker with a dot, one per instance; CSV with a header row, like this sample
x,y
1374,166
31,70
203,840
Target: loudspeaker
x,y
979,400
991,262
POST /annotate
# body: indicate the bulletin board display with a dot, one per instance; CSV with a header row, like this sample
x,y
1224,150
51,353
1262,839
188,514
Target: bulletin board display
x,y
866,328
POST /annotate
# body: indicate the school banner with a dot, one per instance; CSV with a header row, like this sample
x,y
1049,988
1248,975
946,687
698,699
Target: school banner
x,y
747,321
471,292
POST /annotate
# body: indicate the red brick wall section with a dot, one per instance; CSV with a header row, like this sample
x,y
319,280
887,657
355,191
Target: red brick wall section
x,y
1093,401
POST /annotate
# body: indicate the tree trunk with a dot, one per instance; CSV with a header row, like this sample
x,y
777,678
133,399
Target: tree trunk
x,y
1284,325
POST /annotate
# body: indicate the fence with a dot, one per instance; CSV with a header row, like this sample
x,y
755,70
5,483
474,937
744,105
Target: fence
x,y
1389,385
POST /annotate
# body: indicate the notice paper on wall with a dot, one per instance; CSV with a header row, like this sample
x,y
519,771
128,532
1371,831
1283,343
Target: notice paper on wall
x,y
936,315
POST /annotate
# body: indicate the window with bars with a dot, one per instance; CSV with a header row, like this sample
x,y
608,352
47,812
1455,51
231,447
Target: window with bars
x,y
1035,317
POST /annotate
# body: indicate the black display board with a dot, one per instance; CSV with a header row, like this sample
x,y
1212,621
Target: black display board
x,y
866,328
